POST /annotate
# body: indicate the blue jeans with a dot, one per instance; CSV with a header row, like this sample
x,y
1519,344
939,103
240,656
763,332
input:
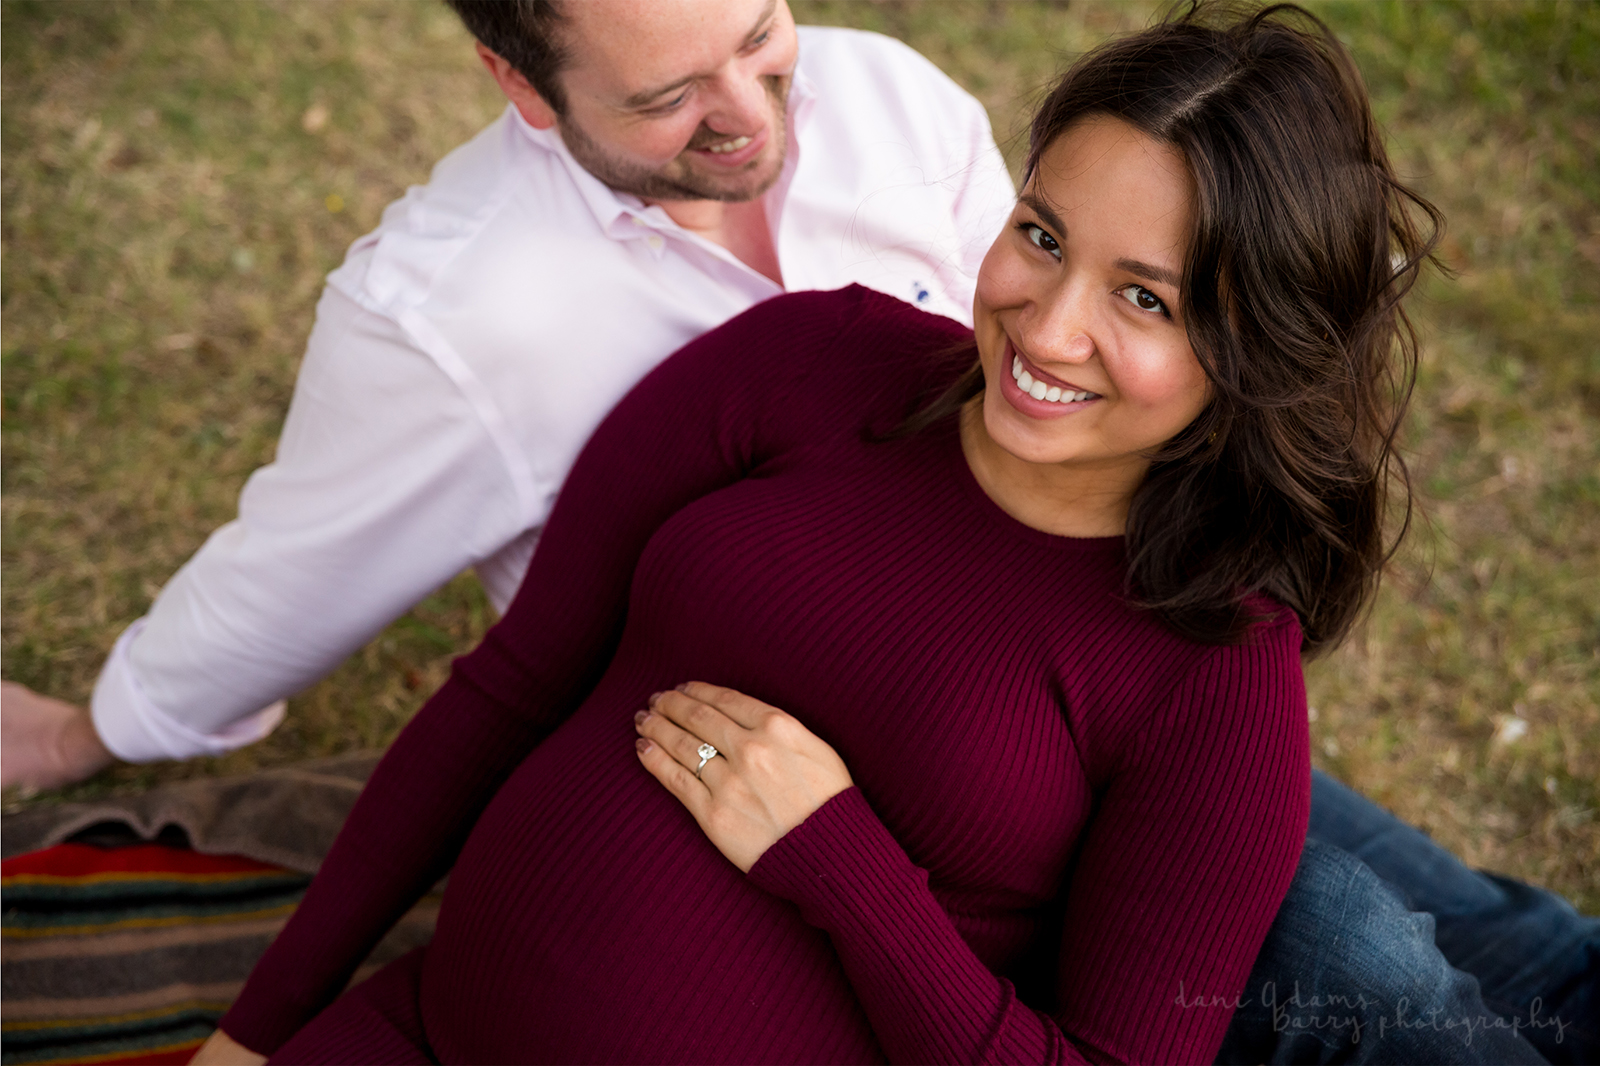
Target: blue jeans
x,y
1536,959
1350,973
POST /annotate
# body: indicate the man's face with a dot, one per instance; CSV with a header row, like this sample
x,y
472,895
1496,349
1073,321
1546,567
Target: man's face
x,y
679,99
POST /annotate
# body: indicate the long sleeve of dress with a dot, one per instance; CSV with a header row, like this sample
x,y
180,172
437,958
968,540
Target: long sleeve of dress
x,y
1154,925
685,431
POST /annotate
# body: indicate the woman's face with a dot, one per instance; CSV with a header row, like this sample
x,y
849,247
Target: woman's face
x,y
1085,359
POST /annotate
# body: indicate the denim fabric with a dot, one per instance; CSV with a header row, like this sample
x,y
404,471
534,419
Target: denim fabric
x,y
1349,974
1537,960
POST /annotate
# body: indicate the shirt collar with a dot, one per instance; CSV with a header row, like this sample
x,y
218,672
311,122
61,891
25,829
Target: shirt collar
x,y
612,210
622,216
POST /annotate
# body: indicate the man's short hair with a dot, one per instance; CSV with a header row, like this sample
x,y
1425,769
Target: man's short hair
x,y
525,33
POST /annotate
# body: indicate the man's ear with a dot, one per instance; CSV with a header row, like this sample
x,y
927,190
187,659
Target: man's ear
x,y
532,106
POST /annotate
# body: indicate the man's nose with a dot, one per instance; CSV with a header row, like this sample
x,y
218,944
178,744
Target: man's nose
x,y
740,103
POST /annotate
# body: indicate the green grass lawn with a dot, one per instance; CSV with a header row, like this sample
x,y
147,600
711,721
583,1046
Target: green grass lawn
x,y
179,176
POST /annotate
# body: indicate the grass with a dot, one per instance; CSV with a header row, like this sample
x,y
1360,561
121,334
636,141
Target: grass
x,y
177,178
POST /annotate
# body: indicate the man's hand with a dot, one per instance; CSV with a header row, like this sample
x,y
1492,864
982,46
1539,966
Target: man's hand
x,y
45,743
220,1049
768,775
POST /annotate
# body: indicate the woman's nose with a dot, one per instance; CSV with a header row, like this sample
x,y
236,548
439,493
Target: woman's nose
x,y
1061,327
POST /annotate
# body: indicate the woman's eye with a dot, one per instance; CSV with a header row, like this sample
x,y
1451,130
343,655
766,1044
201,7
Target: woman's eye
x,y
1143,299
1042,239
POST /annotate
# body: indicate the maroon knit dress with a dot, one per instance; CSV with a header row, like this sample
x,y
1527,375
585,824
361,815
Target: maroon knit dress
x,y
1066,819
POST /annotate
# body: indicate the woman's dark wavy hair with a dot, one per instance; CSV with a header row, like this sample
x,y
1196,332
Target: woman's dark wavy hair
x,y
1304,245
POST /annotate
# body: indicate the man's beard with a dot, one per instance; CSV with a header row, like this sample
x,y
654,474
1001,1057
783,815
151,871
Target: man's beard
x,y
679,179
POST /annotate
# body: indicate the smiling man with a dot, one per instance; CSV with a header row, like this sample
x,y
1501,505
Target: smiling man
x,y
634,141
662,166
663,113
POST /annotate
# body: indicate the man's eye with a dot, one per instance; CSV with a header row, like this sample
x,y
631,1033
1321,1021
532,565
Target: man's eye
x,y
761,39
1143,299
670,105
1039,237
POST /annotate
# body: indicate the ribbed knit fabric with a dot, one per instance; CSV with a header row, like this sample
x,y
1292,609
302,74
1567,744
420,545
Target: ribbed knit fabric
x,y
1066,821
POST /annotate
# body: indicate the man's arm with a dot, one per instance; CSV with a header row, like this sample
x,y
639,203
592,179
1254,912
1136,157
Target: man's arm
x,y
385,486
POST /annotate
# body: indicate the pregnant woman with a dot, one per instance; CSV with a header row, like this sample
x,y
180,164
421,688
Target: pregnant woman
x,y
881,690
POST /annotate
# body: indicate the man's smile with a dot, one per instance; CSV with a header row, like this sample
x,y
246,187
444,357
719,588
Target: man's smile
x,y
734,151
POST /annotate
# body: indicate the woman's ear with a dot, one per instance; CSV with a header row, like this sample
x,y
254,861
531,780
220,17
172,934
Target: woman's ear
x,y
533,108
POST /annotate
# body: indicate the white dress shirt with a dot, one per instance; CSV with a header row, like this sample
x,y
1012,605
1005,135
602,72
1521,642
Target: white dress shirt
x,y
466,349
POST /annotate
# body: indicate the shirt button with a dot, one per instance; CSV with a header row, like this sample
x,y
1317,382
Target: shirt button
x,y
655,243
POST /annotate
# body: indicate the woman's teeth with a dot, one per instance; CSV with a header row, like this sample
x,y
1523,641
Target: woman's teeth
x,y
729,146
1039,390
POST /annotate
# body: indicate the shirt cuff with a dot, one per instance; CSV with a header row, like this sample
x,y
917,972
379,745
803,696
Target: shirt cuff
x,y
136,730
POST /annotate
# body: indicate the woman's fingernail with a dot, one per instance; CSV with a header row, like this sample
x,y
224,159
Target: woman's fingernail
x,y
640,716
642,745
653,697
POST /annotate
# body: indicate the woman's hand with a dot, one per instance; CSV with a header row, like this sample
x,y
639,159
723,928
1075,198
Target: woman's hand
x,y
220,1049
770,772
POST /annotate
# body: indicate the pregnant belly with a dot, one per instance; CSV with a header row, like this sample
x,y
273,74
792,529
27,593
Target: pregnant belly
x,y
589,920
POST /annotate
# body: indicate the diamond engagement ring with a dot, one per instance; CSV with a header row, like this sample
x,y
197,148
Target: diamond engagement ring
x,y
706,753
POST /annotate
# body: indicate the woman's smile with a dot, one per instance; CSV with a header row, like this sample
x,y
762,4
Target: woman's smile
x,y
1038,394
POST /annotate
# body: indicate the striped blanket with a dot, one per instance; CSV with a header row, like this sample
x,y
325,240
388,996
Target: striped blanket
x,y
121,943
130,954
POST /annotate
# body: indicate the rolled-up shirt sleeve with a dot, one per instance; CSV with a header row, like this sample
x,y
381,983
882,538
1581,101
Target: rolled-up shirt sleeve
x,y
386,484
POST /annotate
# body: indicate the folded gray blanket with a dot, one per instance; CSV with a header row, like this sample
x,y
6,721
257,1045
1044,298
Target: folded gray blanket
x,y
287,816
